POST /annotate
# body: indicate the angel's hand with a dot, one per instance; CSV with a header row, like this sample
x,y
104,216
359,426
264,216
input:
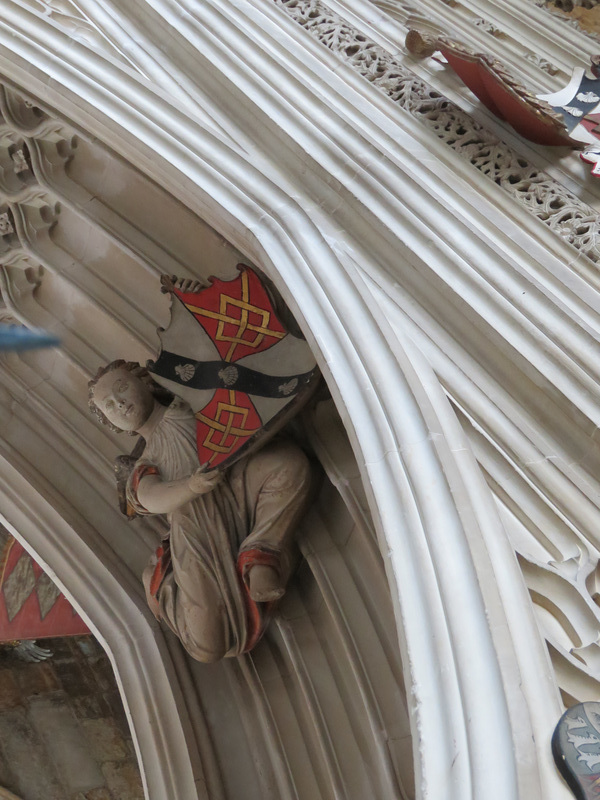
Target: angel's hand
x,y
191,284
28,650
202,482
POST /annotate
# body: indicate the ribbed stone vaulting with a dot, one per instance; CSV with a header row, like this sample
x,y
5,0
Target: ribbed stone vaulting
x,y
444,272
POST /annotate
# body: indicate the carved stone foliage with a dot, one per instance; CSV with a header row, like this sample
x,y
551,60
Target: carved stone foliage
x,y
542,196
542,63
489,27
565,597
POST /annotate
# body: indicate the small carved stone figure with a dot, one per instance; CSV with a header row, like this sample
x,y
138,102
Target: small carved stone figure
x,y
230,549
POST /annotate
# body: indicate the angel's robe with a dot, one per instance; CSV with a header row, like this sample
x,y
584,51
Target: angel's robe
x,y
254,509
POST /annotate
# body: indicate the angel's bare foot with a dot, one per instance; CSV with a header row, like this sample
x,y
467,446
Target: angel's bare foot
x,y
264,584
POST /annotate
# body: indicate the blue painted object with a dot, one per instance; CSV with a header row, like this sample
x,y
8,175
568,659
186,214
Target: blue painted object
x,y
17,337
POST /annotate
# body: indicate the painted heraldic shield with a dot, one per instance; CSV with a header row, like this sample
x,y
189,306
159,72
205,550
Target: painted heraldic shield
x,y
227,353
576,749
569,117
31,605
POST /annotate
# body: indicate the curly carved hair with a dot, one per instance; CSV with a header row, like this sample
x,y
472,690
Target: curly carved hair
x,y
162,395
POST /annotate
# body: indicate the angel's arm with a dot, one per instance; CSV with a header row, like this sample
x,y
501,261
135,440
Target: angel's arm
x,y
161,497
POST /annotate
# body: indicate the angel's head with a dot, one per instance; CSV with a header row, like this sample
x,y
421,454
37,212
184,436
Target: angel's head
x,y
122,395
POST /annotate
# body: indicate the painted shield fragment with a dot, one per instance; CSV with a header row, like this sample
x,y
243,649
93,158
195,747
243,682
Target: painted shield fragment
x,y
569,117
576,749
227,353
31,605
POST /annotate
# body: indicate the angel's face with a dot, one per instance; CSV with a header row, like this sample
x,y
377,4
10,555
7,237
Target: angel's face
x,y
124,399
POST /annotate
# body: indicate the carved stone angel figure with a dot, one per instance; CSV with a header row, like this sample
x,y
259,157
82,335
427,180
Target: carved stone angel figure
x,y
229,551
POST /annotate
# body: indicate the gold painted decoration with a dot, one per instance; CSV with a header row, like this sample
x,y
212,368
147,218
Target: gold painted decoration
x,y
228,354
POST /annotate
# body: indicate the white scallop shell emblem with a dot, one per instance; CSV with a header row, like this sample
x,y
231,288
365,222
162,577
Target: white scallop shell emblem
x,y
288,387
588,97
228,375
185,371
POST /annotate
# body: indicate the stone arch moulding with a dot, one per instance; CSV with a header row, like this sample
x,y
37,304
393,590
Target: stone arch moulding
x,y
412,453
144,671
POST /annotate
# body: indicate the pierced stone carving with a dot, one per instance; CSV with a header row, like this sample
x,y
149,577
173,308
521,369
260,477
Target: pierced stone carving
x,y
33,150
20,161
542,63
6,225
489,27
542,196
563,594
